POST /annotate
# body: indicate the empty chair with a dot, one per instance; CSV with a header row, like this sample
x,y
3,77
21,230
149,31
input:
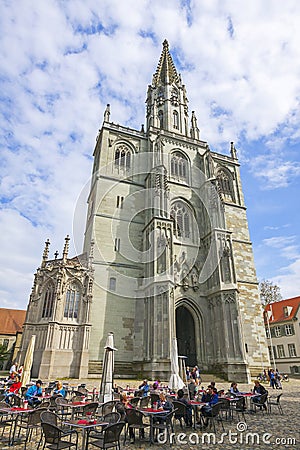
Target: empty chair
x,y
109,418
30,422
110,438
107,407
89,409
238,407
226,408
62,407
163,424
54,437
6,421
274,401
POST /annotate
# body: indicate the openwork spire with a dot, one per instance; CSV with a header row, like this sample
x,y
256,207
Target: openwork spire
x,y
166,71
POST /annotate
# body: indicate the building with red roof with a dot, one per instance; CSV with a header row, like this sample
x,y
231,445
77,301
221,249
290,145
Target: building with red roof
x,y
11,322
283,334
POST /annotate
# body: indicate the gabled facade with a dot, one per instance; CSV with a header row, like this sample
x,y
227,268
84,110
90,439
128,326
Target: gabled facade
x,y
11,322
172,254
283,334
58,314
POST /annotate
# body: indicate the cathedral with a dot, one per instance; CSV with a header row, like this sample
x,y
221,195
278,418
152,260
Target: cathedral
x,y
166,254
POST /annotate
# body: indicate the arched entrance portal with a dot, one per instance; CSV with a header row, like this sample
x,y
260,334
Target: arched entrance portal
x,y
185,333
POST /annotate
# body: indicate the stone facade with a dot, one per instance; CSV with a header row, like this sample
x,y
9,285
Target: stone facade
x,y
172,256
58,314
172,249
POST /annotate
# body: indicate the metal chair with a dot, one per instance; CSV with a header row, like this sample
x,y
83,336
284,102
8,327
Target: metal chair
x,y
135,421
109,418
110,437
53,437
30,422
107,407
6,421
272,402
163,424
62,407
226,408
181,412
259,403
214,415
238,407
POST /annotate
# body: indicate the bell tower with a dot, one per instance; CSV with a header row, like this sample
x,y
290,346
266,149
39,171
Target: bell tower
x,y
167,103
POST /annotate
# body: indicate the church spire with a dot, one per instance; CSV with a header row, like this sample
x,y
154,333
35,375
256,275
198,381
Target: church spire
x,y
45,253
167,104
66,248
166,71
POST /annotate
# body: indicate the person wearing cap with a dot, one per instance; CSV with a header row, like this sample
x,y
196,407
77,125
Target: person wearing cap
x,y
33,393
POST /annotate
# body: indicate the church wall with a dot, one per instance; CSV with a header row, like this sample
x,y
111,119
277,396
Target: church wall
x,y
249,301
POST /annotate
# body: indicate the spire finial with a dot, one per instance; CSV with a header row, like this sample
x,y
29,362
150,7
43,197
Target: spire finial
x,y
66,247
194,127
233,151
107,113
166,44
46,252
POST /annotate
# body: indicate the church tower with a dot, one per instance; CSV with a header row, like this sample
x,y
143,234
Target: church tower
x,y
172,254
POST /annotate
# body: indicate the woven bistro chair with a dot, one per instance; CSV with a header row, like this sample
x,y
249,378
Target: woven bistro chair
x,y
54,437
110,438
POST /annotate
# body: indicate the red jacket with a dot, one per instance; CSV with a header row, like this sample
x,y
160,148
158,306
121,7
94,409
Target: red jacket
x,y
15,387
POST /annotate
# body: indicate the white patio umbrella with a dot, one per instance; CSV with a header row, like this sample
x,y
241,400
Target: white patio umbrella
x,y
175,381
107,379
25,377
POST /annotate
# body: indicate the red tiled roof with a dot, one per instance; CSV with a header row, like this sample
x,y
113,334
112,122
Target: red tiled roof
x,y
11,320
277,310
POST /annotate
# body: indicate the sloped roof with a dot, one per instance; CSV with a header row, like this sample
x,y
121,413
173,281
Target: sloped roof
x,y
11,320
276,310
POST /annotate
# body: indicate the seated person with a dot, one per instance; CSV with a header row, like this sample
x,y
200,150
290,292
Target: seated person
x,y
207,409
234,389
192,388
258,390
13,388
164,404
188,415
144,387
33,392
59,391
155,389
206,396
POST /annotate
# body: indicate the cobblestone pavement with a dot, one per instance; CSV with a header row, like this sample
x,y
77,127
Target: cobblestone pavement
x,y
258,431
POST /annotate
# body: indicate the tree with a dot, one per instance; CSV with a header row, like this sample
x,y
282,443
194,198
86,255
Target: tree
x,y
269,292
4,354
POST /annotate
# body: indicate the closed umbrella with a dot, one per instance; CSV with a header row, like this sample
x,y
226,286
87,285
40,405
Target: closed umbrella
x,y
25,377
175,382
107,379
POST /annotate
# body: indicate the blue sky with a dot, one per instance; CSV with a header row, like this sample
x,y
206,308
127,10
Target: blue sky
x,y
62,62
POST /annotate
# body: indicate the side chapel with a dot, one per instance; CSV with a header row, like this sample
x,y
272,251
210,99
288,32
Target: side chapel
x,y
166,253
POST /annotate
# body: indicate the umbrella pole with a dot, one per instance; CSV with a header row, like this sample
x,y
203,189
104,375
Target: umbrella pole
x,y
103,378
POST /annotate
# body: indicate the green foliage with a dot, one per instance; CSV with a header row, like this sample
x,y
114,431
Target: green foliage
x,y
269,292
4,353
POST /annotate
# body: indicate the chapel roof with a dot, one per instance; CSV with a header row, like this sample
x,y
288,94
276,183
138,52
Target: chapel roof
x,y
11,320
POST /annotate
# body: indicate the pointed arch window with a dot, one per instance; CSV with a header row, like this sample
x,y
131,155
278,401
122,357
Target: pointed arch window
x,y
182,217
179,166
48,302
123,158
160,119
225,184
175,120
73,295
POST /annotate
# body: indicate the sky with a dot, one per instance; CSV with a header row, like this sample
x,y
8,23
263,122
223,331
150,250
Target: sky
x,y
63,61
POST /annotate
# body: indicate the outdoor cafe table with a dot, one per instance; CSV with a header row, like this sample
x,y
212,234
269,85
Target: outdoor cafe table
x,y
86,426
195,405
151,413
14,411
